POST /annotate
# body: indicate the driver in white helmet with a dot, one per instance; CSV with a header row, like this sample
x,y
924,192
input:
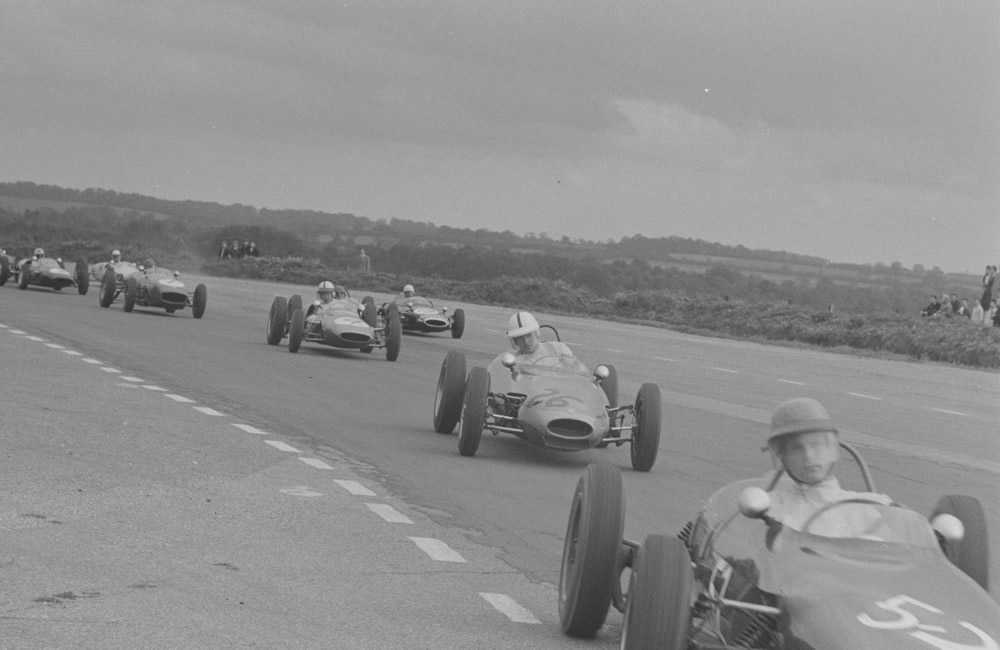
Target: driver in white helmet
x,y
804,443
38,254
326,293
409,291
116,256
522,330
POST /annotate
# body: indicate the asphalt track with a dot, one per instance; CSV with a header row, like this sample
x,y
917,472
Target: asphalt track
x,y
926,430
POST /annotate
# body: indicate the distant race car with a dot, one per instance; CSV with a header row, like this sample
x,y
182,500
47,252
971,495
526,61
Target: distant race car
x,y
345,323
156,287
45,272
7,265
112,276
564,406
736,578
418,314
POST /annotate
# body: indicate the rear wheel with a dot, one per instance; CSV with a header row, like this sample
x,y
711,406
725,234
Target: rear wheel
x,y
4,269
477,390
393,332
971,554
458,324
658,605
82,277
131,291
296,329
200,301
450,390
109,282
646,431
590,551
277,320
370,312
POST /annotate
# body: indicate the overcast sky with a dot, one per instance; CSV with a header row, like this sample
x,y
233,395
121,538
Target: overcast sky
x,y
856,130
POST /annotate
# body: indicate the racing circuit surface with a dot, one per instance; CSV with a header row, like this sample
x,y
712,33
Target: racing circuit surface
x,y
175,482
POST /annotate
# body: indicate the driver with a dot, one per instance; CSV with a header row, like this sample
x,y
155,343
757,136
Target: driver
x,y
38,254
149,264
522,330
327,293
116,256
409,291
804,443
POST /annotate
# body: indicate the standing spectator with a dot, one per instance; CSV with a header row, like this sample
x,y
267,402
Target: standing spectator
x,y
237,250
225,253
251,250
989,283
994,315
978,315
364,262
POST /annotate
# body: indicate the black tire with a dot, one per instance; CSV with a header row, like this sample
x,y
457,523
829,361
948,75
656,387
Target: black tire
x,y
972,553
277,320
646,432
131,291
610,386
82,276
294,302
170,309
4,269
23,277
393,332
370,315
296,329
200,301
658,604
477,390
458,324
450,392
590,551
106,295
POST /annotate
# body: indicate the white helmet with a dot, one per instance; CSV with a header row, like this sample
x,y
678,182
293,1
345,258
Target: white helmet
x,y
520,324
409,289
39,252
116,252
325,287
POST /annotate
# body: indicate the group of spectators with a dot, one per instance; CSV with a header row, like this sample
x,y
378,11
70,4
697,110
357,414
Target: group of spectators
x,y
983,310
238,251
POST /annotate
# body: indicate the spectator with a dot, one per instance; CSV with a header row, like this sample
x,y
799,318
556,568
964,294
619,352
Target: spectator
x,y
963,309
364,262
955,304
225,252
977,315
989,284
237,249
932,308
945,306
251,250
994,315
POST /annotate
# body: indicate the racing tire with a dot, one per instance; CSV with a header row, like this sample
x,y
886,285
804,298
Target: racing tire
x,y
82,277
610,385
277,320
294,302
370,314
591,549
646,430
131,291
24,277
4,269
170,309
477,390
200,301
450,392
458,324
971,554
393,332
296,330
658,604
106,295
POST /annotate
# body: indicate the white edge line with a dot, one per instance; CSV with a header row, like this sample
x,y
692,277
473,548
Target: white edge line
x,y
509,608
437,549
964,415
729,370
863,396
789,381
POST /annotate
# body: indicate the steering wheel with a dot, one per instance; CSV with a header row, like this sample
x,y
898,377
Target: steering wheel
x,y
812,518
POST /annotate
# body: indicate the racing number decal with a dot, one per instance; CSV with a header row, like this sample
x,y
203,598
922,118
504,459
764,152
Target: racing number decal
x,y
907,621
345,320
554,399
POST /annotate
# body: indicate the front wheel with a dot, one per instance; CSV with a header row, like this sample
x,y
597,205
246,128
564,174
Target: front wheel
x,y
646,430
458,324
131,291
450,391
393,334
106,295
590,551
477,391
277,320
658,604
971,554
200,301
24,277
296,330
82,277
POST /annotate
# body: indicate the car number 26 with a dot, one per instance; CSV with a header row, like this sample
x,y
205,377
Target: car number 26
x,y
906,621
553,400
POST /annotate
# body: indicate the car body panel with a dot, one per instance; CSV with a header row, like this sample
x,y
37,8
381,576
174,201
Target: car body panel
x,y
122,270
46,272
338,325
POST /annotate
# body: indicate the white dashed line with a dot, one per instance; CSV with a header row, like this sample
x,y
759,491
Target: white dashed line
x,y
509,608
115,371
137,380
208,411
3,327
93,361
729,370
152,387
315,462
249,429
34,338
355,488
964,415
390,514
665,359
437,549
789,381
20,332
73,353
615,350
180,398
863,396
281,446
54,346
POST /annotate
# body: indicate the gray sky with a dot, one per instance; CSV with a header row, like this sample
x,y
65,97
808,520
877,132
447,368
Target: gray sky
x,y
857,130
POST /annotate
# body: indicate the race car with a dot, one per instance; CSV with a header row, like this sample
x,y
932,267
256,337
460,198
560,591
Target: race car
x,y
418,314
344,323
7,265
154,286
557,403
45,272
736,578
112,276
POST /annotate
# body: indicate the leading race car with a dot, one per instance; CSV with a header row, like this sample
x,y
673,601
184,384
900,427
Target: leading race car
x,y
154,286
344,323
45,272
554,402
419,314
736,578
